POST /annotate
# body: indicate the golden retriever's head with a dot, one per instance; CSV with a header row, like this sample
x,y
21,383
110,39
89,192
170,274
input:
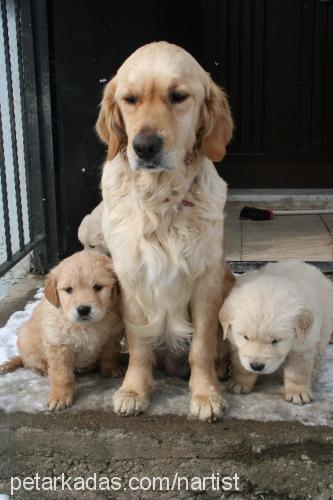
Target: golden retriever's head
x,y
161,107
263,318
82,285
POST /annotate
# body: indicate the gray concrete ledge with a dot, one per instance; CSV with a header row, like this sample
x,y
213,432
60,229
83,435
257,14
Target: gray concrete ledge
x,y
273,460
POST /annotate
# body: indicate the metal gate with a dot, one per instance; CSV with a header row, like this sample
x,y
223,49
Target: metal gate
x,y
27,195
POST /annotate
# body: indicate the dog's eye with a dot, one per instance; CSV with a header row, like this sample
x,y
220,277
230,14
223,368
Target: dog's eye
x,y
91,246
98,288
246,337
275,341
176,97
69,290
131,99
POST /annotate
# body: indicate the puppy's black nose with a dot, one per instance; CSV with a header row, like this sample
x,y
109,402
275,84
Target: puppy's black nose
x,y
83,311
258,367
146,145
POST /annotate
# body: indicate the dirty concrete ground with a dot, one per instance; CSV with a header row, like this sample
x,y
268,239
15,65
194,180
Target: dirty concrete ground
x,y
273,459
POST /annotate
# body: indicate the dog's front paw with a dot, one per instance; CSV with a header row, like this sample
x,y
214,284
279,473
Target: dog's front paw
x,y
299,396
238,387
59,401
210,407
129,403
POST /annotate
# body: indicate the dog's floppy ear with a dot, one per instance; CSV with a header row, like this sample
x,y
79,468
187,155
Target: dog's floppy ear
x,y
304,323
225,318
115,293
110,126
215,125
50,289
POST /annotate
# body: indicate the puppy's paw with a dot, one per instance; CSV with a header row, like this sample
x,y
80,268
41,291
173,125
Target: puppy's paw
x,y
209,407
60,401
299,396
5,367
129,403
238,387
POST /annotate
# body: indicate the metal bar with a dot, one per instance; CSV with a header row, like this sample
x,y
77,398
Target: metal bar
x,y
35,53
33,164
4,195
244,266
23,98
12,124
17,256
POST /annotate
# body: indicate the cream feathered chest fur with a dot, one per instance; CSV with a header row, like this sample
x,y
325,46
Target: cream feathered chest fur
x,y
159,244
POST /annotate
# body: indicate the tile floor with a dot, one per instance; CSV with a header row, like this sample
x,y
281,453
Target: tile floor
x,y
306,237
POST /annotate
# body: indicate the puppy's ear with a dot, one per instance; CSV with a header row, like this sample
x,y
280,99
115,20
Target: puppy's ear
x,y
225,318
115,292
216,125
110,126
50,289
304,323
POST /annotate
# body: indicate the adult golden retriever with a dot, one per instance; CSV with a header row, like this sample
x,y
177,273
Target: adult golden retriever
x,y
164,121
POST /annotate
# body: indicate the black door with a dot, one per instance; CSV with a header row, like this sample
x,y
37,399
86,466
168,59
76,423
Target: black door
x,y
274,57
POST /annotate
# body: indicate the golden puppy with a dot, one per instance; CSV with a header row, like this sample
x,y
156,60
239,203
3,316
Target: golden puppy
x,y
90,231
75,325
164,121
282,314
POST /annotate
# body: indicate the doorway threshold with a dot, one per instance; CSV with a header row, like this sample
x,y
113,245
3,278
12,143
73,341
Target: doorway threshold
x,y
282,198
240,267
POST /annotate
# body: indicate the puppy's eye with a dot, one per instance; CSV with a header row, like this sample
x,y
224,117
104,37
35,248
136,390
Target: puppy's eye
x,y
246,337
69,290
131,99
275,341
98,288
91,246
176,97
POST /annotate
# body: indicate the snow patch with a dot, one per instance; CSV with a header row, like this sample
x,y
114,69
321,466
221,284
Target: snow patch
x,y
26,391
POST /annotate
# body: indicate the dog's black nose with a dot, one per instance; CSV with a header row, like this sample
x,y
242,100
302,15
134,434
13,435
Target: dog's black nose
x,y
258,367
83,311
146,145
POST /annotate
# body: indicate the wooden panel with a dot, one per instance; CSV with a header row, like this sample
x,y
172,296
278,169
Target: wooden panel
x,y
282,74
280,95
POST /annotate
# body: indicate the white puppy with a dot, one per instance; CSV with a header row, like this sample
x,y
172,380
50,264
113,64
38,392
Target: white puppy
x,y
280,314
90,231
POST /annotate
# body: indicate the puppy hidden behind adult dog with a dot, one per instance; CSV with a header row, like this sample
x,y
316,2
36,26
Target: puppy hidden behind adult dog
x,y
90,232
280,315
76,325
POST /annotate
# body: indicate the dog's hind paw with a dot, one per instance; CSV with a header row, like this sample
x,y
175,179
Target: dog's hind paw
x,y
210,407
299,397
128,403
